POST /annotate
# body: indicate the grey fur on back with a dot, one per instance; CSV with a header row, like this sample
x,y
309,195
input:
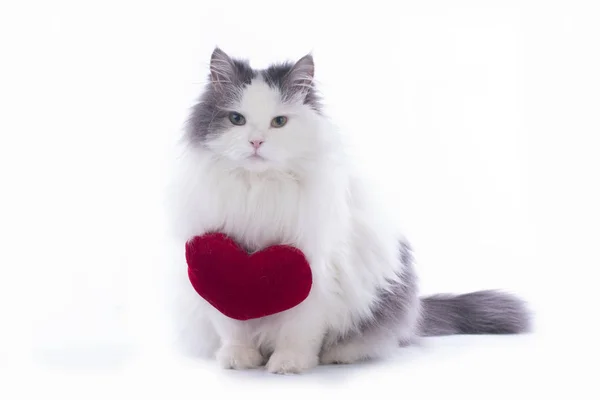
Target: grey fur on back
x,y
482,312
399,315
394,306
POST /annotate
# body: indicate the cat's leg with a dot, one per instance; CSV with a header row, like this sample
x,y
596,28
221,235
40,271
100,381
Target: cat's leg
x,y
394,322
374,342
299,339
371,345
238,349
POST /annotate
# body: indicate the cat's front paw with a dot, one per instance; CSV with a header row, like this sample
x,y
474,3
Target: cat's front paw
x,y
291,362
239,357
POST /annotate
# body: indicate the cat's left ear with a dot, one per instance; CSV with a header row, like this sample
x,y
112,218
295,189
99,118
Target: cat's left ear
x,y
222,68
300,78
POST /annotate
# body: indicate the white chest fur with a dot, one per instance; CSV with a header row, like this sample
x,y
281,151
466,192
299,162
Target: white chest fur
x,y
350,250
259,211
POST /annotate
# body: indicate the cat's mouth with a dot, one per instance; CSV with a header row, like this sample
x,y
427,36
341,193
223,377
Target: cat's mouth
x,y
256,163
256,157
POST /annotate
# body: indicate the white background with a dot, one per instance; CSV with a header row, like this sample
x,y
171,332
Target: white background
x,y
481,118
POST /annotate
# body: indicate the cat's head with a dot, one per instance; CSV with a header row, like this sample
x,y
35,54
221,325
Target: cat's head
x,y
259,119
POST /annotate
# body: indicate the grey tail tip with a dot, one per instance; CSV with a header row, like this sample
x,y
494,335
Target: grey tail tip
x,y
482,312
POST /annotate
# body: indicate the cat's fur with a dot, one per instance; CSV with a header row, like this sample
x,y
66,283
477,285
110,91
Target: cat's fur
x,y
305,192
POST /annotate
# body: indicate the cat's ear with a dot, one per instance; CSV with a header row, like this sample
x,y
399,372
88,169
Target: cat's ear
x,y
300,78
222,68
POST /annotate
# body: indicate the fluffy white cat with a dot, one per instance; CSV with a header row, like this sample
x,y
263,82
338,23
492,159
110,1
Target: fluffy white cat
x,y
263,165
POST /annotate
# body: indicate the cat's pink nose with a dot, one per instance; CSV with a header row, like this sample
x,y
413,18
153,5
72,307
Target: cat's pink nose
x,y
256,143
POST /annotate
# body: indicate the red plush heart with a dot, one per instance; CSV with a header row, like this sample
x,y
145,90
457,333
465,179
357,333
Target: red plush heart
x,y
245,286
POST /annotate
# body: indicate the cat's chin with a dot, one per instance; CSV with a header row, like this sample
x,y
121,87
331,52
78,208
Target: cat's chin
x,y
256,164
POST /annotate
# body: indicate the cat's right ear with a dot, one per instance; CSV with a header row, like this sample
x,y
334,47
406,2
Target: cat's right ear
x,y
298,81
222,69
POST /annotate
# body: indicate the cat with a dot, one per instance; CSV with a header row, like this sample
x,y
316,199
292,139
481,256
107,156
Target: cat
x,y
264,165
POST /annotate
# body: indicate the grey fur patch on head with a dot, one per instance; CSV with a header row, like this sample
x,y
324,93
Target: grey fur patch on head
x,y
227,72
294,80
228,77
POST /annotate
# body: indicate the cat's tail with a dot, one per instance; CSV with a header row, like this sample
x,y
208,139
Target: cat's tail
x,y
483,312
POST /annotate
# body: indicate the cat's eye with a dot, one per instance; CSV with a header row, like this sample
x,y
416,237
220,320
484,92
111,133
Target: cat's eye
x,y
237,118
278,122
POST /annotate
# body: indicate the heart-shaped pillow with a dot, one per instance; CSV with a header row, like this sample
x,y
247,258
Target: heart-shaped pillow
x,y
246,286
